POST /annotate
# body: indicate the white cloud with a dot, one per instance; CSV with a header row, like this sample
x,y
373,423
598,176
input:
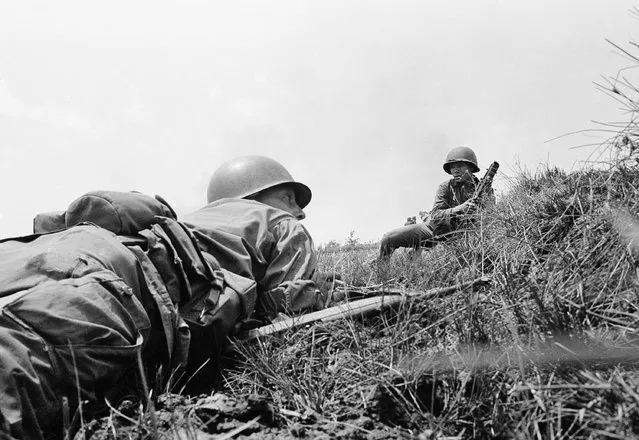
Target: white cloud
x,y
361,102
136,107
11,105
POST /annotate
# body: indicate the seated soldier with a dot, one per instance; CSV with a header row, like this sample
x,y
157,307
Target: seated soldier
x,y
453,202
120,285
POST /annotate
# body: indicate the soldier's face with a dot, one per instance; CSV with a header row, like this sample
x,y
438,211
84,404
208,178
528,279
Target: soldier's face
x,y
461,171
281,197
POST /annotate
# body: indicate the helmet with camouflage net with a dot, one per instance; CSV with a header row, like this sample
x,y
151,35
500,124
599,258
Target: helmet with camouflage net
x,y
247,175
461,154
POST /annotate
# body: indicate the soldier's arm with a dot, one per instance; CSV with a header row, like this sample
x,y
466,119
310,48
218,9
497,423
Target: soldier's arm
x,y
287,285
442,211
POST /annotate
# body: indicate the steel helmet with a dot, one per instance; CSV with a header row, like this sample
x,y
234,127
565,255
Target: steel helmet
x,y
247,175
461,154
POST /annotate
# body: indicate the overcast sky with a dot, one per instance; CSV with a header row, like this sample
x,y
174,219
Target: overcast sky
x,y
360,100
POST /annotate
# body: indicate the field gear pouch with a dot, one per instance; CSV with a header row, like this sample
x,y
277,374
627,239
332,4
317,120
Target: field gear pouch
x,y
210,300
123,213
49,222
211,323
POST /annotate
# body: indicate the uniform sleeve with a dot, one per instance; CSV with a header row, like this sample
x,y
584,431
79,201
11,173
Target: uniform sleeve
x,y
287,285
441,213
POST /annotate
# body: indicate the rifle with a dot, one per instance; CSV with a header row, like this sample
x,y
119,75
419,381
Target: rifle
x,y
386,299
486,182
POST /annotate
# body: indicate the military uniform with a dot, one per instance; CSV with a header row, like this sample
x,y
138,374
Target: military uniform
x,y
439,222
443,218
79,305
70,310
263,243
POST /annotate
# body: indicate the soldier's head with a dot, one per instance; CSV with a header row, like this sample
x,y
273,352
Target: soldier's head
x,y
461,162
262,179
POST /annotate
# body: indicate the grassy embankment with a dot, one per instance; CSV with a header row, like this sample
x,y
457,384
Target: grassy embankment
x,y
547,350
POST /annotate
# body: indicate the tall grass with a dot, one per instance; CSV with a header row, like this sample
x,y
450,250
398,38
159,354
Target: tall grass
x,y
547,351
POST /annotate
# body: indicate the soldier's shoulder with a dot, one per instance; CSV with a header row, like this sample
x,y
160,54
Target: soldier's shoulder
x,y
445,185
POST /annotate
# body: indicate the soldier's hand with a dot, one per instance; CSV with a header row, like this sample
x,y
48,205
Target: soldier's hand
x,y
468,207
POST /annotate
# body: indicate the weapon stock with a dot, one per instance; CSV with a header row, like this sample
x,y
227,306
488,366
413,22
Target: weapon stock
x,y
388,298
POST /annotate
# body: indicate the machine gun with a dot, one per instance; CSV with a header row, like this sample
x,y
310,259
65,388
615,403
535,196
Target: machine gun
x,y
485,183
482,189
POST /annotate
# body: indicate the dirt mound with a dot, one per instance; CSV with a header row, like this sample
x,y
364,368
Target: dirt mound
x,y
219,415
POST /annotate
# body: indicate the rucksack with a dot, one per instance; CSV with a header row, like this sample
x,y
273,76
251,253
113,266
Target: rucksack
x,y
123,213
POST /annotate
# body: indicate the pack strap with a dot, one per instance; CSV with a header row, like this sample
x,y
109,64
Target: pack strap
x,y
168,313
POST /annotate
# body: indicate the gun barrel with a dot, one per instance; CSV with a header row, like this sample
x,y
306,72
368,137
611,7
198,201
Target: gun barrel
x,y
386,299
492,170
487,180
